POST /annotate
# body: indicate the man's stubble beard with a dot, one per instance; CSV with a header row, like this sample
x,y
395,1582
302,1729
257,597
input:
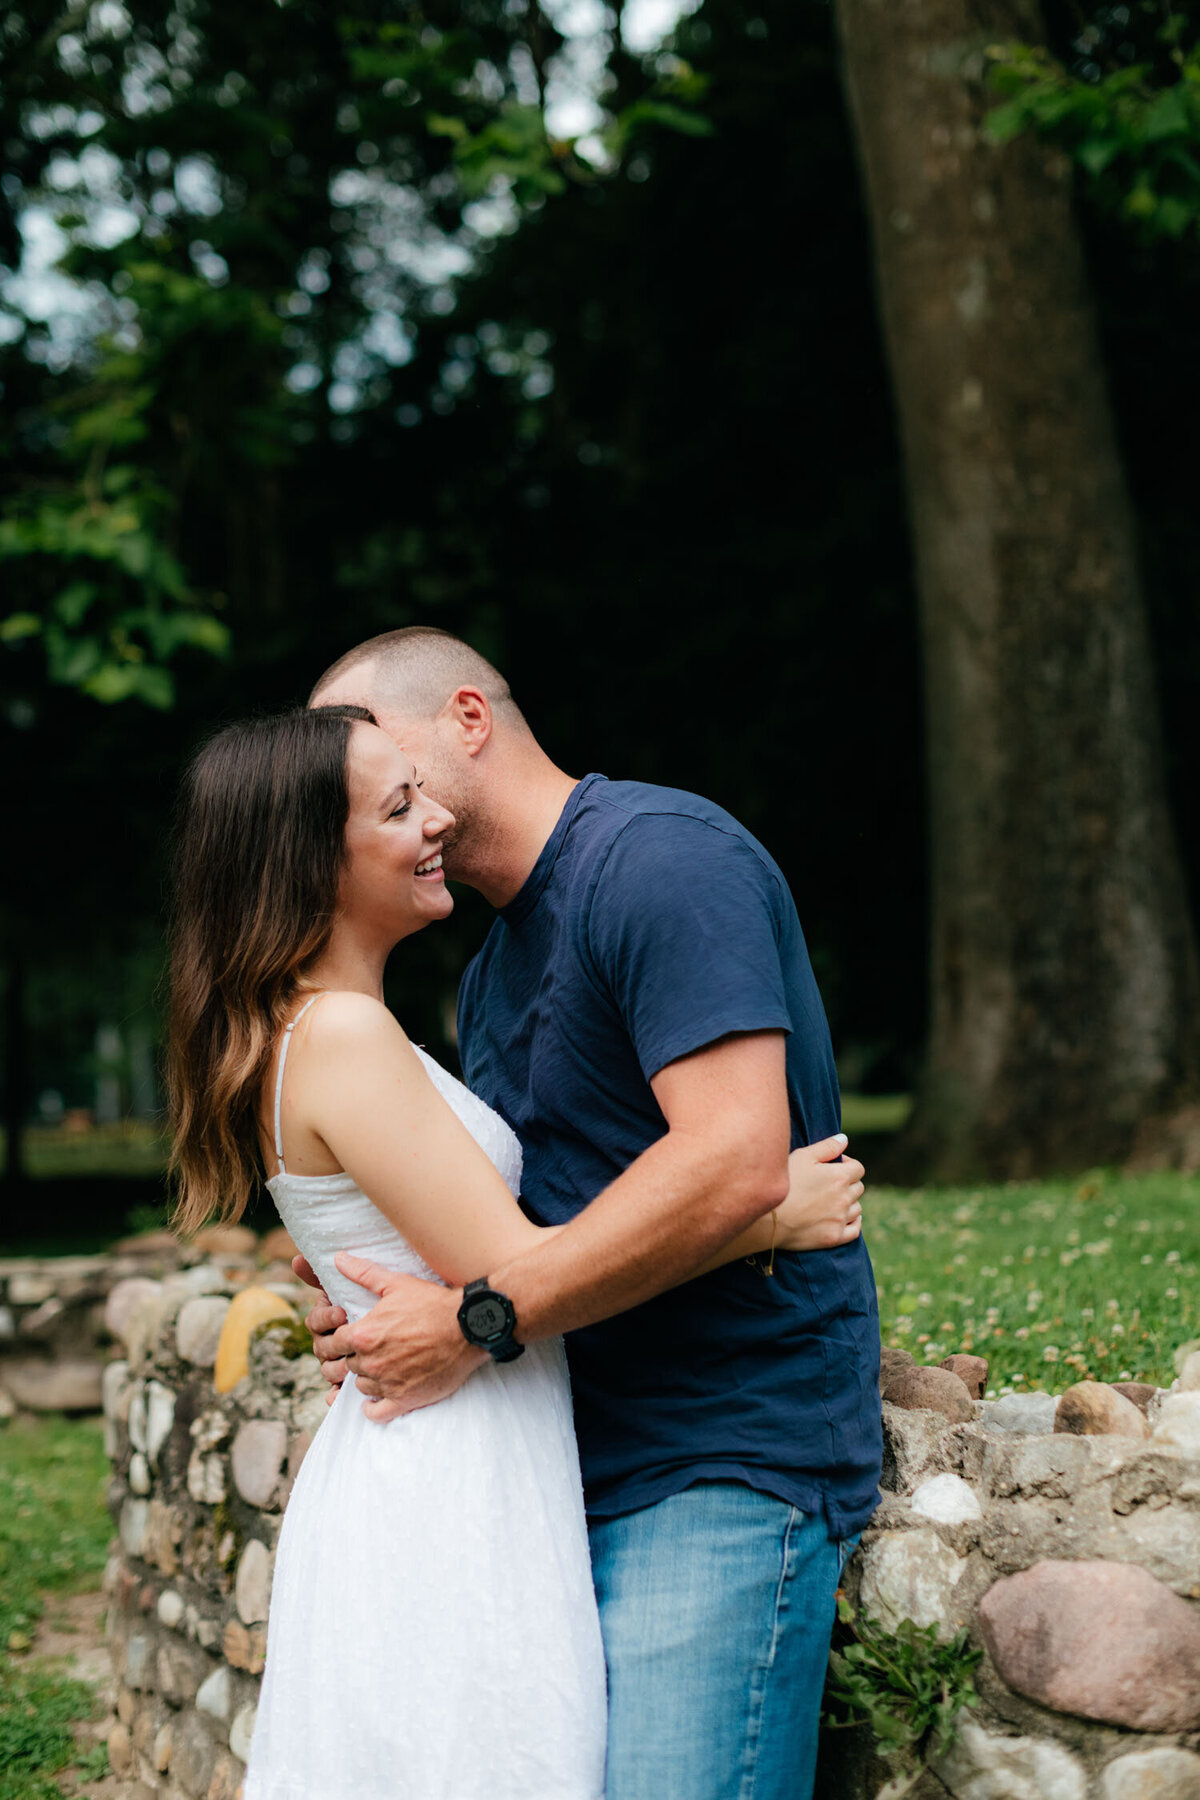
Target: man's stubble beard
x,y
469,850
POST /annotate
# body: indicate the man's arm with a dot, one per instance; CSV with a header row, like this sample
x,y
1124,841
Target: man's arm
x,y
721,1164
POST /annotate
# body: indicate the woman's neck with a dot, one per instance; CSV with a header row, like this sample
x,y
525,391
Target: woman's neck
x,y
350,965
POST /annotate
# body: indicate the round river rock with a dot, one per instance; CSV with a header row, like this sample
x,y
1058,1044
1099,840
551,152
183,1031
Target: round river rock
x,y
1103,1640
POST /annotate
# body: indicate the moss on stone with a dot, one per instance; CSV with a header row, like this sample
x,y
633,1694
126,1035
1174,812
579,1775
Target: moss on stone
x,y
290,1336
228,1536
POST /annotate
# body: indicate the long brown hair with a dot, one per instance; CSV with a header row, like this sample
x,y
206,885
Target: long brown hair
x,y
259,851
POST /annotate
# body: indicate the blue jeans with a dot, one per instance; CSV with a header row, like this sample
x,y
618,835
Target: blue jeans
x,y
716,1607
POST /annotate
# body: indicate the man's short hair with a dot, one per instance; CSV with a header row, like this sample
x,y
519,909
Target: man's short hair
x,y
417,669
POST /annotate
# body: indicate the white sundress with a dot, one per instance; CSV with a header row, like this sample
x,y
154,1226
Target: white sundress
x,y
433,1631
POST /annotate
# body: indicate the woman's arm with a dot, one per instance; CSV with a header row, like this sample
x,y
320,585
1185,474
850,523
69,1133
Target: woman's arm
x,y
361,1087
359,1084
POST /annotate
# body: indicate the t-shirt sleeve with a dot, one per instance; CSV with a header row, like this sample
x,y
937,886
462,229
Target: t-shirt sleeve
x,y
684,933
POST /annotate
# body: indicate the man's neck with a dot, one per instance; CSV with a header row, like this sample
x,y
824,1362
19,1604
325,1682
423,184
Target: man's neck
x,y
524,824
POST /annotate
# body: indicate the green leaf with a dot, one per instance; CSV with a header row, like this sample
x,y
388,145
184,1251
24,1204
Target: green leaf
x,y
71,661
444,125
134,552
74,601
1097,153
662,112
904,1685
17,537
19,625
1174,216
1167,116
204,632
155,686
1179,158
111,682
1004,123
1141,202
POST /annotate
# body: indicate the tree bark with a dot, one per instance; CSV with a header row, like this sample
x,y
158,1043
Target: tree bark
x,y
1065,993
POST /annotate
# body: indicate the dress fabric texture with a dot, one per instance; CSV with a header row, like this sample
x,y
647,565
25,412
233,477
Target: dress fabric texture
x,y
433,1631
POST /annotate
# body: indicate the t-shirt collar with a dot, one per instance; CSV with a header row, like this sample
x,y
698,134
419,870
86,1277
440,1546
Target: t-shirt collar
x,y
530,892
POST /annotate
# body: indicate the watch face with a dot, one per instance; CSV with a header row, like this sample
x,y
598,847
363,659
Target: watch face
x,y
486,1319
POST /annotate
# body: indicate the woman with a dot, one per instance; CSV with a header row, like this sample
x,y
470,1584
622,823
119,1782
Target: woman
x,y
444,1554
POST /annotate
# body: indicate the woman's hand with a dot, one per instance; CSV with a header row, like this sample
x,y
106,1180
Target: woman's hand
x,y
823,1206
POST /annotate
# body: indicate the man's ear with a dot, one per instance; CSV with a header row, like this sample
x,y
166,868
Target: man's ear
x,y
469,713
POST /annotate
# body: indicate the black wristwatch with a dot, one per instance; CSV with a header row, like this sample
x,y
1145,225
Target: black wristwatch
x,y
488,1319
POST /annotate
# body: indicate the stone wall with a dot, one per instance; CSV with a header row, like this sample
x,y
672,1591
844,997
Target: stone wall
x,y
53,1336
61,1315
200,1478
1064,1533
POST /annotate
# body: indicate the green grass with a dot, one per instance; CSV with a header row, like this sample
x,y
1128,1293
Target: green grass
x,y
126,1148
864,1114
54,1535
1052,1281
38,1712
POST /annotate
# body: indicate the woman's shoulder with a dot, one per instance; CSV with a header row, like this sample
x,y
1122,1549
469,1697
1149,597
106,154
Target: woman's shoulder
x,y
347,1021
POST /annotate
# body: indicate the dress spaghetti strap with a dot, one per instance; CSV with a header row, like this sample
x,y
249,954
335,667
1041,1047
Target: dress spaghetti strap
x,y
287,1038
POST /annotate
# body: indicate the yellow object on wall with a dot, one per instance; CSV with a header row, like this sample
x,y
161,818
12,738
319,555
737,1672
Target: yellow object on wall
x,y
253,1307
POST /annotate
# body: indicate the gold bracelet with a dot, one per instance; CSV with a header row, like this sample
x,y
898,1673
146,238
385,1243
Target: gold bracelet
x,y
769,1267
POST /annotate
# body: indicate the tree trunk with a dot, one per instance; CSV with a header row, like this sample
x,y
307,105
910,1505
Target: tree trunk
x,y
1065,1000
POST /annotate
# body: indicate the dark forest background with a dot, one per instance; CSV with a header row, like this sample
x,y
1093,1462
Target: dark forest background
x,y
642,449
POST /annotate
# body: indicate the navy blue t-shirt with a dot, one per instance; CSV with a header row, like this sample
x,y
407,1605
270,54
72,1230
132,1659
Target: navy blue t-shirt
x,y
652,925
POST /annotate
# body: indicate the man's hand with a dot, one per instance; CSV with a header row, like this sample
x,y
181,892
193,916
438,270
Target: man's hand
x,y
408,1351
823,1207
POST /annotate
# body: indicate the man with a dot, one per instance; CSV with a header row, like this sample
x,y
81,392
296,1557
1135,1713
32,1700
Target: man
x,y
644,1014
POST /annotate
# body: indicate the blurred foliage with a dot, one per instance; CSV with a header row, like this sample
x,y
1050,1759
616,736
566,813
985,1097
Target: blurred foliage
x,y
102,521
129,1147
351,342
194,299
374,349
1124,104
